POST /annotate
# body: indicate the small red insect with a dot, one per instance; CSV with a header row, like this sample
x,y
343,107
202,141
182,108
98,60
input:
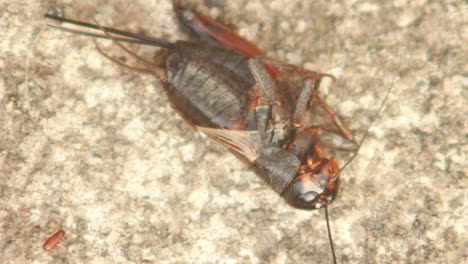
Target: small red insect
x,y
53,241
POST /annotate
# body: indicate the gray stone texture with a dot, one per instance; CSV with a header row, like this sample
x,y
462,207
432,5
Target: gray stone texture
x,y
95,149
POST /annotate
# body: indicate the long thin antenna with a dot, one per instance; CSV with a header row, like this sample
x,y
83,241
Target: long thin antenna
x,y
376,115
329,234
131,37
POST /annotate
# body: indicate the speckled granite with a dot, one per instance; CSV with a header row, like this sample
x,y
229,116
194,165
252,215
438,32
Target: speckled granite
x,y
93,148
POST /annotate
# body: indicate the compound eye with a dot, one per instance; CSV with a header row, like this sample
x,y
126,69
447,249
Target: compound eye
x,y
309,196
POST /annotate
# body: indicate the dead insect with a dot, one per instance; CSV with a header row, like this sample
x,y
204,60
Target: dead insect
x,y
53,241
269,114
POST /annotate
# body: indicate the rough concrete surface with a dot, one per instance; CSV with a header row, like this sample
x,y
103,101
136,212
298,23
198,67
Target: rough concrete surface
x,y
94,149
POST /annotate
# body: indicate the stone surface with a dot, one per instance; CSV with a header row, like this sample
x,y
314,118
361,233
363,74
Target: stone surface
x,y
94,148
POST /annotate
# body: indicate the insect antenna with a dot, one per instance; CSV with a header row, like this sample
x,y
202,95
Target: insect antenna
x,y
374,117
124,37
128,36
329,234
114,60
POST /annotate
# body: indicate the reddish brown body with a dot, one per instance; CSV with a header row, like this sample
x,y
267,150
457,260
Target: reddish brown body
x,y
268,113
238,90
53,241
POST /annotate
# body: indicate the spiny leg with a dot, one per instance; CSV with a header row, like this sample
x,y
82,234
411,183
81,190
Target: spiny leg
x,y
308,93
263,79
336,119
270,114
330,139
207,31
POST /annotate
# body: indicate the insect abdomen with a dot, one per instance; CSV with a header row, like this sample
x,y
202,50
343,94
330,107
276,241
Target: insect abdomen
x,y
226,59
204,94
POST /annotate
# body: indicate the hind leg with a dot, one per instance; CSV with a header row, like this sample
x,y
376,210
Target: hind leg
x,y
206,30
309,95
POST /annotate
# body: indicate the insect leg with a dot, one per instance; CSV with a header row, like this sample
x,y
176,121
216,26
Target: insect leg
x,y
308,93
272,119
98,31
210,32
331,139
344,140
336,119
264,80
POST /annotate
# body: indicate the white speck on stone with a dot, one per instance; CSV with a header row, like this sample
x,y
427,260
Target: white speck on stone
x,y
381,251
215,12
429,122
346,107
367,101
378,132
198,198
188,152
431,235
400,3
359,233
336,71
310,66
440,161
104,91
244,252
457,81
68,67
456,157
95,214
293,58
205,246
407,18
368,7
134,130
95,62
404,122
276,5
284,25
425,180
301,26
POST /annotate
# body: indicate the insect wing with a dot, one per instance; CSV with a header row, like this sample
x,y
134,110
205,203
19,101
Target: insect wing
x,y
245,144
